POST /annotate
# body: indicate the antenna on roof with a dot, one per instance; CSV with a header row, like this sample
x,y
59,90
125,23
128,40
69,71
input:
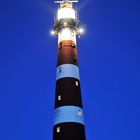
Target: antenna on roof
x,y
69,1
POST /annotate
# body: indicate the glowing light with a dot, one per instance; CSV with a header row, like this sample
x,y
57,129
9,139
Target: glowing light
x,y
67,34
52,32
66,13
65,23
81,30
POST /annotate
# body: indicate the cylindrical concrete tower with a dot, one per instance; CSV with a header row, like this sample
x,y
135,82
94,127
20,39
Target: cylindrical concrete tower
x,y
68,116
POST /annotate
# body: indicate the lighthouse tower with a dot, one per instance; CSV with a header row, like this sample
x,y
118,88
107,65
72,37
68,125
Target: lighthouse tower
x,y
68,114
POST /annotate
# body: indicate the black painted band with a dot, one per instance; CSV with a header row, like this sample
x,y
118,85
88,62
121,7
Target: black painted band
x,y
69,131
68,92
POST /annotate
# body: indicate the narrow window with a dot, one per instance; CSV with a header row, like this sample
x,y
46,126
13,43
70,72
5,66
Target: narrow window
x,y
76,83
72,45
79,113
59,97
60,69
74,58
57,129
60,46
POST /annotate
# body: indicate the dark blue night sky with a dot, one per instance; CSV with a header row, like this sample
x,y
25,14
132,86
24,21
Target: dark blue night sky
x,y
109,58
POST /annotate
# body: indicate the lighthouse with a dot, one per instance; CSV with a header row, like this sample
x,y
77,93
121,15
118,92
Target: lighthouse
x,y
68,110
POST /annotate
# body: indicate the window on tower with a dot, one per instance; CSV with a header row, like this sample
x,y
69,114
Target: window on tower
x,y
60,69
76,83
74,58
59,97
60,45
57,129
79,113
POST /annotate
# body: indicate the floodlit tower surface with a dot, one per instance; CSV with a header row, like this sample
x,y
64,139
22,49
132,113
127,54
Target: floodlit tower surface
x,y
68,116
